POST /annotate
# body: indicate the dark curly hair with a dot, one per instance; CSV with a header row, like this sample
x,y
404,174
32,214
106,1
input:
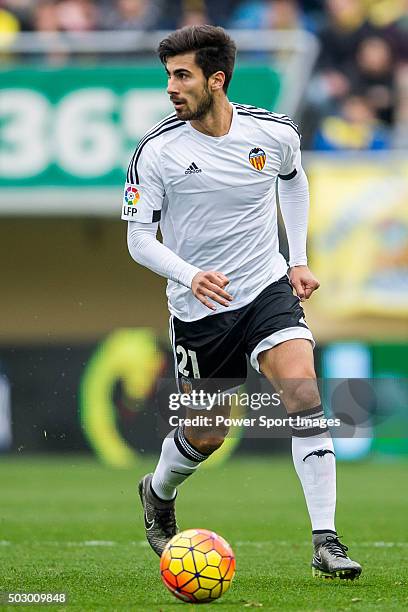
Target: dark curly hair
x,y
214,49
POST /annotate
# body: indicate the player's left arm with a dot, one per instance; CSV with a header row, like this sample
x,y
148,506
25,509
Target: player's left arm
x,y
293,189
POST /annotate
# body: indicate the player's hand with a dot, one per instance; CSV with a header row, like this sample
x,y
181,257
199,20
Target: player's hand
x,y
211,285
303,282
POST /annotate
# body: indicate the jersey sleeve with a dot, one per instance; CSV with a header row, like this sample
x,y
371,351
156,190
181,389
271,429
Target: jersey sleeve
x,y
144,190
291,157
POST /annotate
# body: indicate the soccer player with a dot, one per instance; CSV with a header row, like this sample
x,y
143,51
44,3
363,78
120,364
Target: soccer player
x,y
207,173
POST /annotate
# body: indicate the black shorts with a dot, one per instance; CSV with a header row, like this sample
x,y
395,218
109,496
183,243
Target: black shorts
x,y
216,346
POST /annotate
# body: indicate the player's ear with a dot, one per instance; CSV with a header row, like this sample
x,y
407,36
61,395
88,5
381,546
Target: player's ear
x,y
217,80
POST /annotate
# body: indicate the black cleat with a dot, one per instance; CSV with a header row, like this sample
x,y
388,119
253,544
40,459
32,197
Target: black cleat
x,y
330,559
159,516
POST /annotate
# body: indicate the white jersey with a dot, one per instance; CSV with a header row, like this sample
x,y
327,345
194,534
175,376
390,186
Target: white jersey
x,y
215,199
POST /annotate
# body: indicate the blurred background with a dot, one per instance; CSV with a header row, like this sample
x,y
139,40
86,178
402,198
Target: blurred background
x,y
83,329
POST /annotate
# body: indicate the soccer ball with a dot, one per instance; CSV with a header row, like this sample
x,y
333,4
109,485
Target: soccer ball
x,y
197,566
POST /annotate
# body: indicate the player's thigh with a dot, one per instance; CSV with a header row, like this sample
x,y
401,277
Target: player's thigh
x,y
290,359
280,345
209,353
289,367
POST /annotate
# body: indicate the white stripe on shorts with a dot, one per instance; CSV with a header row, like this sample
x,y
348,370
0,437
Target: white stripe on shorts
x,y
289,333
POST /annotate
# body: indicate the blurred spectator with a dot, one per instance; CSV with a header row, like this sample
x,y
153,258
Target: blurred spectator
x,y
285,15
193,12
268,14
132,15
355,128
345,27
77,15
45,16
193,17
373,76
46,22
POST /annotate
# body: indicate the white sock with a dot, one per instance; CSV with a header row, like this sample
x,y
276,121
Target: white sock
x,y
315,464
178,460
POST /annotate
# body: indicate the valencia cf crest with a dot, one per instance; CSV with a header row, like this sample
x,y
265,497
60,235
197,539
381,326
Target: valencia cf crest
x,y
257,158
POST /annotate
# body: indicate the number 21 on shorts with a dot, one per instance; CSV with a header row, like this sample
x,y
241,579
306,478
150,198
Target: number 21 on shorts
x,y
185,357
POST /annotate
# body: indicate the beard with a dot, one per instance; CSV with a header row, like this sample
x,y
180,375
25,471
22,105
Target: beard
x,y
204,105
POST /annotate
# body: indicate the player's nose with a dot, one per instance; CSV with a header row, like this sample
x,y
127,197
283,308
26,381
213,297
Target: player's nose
x,y
171,87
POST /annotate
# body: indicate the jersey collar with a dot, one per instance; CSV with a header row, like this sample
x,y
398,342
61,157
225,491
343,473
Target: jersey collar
x,y
215,140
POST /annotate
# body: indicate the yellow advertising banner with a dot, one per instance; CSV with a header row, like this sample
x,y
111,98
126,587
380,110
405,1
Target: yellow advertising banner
x,y
358,234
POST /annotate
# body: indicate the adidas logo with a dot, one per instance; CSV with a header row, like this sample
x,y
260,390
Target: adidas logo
x,y
193,169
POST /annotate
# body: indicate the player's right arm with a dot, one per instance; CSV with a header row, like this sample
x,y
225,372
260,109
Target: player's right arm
x,y
142,204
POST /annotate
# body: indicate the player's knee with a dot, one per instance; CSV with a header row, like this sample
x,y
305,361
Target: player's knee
x,y
303,395
207,443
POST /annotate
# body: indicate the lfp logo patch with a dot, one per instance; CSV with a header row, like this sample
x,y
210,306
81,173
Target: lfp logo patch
x,y
257,158
130,199
132,196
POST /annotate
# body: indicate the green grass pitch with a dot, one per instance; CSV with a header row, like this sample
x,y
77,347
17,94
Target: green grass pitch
x,y
73,525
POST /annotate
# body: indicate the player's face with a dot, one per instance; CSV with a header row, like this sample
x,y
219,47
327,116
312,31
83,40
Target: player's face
x,y
188,88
